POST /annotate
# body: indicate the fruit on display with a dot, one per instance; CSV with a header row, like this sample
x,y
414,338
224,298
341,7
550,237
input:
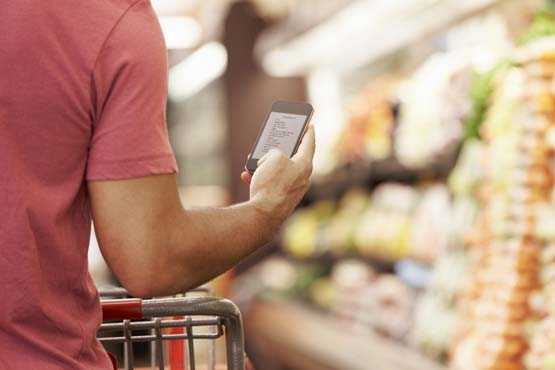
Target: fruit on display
x,y
394,222
465,183
542,26
369,128
301,235
338,235
481,89
537,61
384,227
504,324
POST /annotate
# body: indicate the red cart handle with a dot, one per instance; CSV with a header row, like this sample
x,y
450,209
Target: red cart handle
x,y
122,309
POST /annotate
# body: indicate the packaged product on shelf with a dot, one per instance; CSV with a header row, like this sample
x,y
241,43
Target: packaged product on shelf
x,y
431,224
435,316
367,300
431,118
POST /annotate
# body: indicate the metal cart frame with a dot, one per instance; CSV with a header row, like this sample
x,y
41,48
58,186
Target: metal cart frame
x,y
155,316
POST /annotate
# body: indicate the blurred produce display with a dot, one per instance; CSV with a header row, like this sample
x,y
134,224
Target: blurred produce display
x,y
367,299
369,130
483,235
431,118
352,290
394,222
435,317
417,118
410,121
506,308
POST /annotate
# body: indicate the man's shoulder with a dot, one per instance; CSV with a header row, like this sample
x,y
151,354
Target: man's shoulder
x,y
94,22
119,5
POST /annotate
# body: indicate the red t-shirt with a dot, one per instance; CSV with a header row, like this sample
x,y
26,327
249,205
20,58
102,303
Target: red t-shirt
x,y
82,97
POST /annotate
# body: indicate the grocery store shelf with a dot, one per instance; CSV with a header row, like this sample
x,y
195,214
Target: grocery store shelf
x,y
381,264
364,174
302,338
415,272
373,30
371,174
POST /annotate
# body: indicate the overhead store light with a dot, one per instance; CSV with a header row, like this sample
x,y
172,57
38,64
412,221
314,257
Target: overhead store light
x,y
180,32
174,7
275,8
362,32
198,70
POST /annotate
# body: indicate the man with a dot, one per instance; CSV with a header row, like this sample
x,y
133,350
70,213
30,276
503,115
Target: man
x,y
82,131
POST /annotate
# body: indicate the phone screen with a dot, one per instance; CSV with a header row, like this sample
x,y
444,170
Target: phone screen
x,y
281,131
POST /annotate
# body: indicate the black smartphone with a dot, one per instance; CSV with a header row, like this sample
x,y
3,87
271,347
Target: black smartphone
x,y
283,129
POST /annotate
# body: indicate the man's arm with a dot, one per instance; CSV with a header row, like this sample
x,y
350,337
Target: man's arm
x,y
156,247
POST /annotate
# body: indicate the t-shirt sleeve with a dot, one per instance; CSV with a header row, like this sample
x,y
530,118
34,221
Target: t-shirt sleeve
x,y
129,91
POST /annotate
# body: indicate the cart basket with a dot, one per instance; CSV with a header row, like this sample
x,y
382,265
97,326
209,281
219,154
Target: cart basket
x,y
152,320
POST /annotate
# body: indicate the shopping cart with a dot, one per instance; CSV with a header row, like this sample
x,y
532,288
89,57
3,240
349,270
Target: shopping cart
x,y
178,320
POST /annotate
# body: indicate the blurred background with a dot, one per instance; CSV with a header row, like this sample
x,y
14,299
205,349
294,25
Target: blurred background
x,y
425,241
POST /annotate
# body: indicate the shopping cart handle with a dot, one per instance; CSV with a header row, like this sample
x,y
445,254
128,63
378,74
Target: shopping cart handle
x,y
122,309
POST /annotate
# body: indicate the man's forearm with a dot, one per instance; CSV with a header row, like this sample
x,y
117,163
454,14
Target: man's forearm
x,y
203,243
155,247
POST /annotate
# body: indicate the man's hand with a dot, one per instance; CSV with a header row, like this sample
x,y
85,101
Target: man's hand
x,y
279,183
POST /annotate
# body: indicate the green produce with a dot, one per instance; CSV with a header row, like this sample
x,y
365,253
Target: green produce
x,y
543,25
481,89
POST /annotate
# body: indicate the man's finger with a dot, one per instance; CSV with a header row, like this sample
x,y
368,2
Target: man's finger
x,y
306,149
272,153
246,177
